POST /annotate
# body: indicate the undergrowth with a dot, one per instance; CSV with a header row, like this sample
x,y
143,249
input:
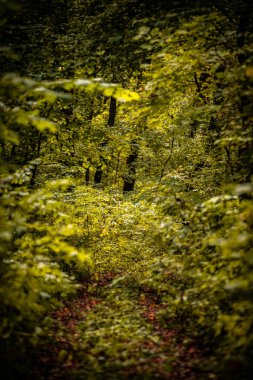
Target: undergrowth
x,y
193,261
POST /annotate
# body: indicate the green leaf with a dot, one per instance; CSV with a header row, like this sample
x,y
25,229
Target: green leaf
x,y
43,124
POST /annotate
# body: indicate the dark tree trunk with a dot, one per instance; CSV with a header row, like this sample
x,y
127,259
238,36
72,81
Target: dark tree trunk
x,y
129,180
112,112
98,175
111,121
87,176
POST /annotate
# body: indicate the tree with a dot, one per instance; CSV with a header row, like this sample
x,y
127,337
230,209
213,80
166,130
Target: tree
x,y
151,99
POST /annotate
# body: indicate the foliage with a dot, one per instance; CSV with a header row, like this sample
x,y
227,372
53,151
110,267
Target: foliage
x,y
148,181
205,276
127,331
116,232
37,262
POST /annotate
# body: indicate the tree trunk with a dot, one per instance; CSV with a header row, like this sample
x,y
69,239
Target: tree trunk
x,y
111,121
129,180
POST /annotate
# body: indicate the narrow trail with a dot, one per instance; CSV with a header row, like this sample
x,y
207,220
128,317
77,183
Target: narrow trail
x,y
112,332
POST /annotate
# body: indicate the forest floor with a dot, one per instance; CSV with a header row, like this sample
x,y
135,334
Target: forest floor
x,y
116,327
110,331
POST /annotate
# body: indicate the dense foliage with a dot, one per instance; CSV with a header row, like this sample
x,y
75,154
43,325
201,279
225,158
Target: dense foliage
x,y
126,169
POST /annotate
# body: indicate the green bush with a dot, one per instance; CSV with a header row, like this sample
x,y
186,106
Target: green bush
x,y
205,277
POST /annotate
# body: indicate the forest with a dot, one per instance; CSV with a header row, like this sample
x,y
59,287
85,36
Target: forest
x,y
126,183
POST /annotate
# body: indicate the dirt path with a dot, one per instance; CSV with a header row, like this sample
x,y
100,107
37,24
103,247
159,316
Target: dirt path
x,y
111,332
